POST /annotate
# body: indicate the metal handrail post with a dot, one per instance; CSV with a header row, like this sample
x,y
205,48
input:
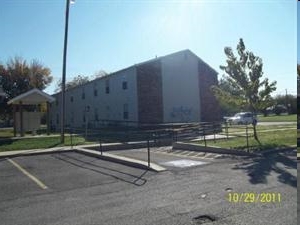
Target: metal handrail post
x,y
71,134
204,136
100,143
148,150
226,128
247,138
214,127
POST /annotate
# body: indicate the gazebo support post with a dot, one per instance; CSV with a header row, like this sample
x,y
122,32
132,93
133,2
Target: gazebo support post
x,y
21,119
14,118
48,118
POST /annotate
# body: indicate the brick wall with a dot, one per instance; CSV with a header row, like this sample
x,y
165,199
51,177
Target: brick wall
x,y
149,92
209,106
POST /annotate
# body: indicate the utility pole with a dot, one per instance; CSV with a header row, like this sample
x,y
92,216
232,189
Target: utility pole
x,y
63,86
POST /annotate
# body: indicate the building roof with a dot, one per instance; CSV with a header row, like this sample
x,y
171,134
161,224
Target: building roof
x,y
32,97
139,64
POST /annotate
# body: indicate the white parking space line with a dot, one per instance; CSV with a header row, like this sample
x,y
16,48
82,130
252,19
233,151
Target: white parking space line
x,y
184,163
173,153
184,152
25,172
208,155
201,154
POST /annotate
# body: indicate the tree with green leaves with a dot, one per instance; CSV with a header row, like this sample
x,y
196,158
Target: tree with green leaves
x,y
289,101
244,74
298,79
228,108
298,93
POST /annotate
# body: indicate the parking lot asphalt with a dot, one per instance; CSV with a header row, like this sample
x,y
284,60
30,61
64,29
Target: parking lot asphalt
x,y
87,190
298,191
64,171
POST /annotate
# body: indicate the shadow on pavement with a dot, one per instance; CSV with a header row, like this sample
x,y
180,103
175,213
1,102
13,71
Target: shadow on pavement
x,y
260,168
137,180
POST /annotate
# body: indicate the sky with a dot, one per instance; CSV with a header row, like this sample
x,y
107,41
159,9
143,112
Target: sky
x,y
298,32
111,35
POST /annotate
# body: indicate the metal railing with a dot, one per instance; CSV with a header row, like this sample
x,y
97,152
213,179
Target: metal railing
x,y
153,134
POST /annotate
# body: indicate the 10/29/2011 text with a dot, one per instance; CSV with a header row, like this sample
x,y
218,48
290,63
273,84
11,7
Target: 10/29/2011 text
x,y
250,197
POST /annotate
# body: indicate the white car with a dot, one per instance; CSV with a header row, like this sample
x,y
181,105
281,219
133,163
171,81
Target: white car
x,y
242,118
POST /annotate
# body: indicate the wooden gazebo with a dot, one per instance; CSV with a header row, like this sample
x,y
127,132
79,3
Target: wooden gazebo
x,y
32,97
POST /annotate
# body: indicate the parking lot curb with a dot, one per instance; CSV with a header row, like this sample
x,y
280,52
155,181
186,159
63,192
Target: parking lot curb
x,y
126,146
34,152
200,148
105,156
121,159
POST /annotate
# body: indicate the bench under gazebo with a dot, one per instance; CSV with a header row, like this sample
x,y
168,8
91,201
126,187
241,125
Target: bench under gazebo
x,y
29,121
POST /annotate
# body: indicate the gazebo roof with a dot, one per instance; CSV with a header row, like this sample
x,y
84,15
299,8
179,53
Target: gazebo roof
x,y
32,97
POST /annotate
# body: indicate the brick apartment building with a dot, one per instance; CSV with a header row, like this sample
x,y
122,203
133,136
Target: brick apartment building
x,y
173,88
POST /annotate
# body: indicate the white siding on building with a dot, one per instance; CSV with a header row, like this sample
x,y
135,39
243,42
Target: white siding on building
x,y
111,105
181,98
180,94
108,106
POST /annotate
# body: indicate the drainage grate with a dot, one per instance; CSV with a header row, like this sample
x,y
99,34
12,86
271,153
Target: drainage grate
x,y
204,219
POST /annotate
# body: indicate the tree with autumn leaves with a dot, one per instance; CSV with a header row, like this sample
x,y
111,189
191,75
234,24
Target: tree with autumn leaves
x,y
18,76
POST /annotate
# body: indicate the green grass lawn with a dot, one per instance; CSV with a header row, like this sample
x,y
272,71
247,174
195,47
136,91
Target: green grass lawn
x,y
242,128
6,133
298,137
9,132
276,136
36,143
281,118
269,140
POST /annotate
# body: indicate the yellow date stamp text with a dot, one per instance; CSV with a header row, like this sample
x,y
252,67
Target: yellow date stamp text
x,y
251,197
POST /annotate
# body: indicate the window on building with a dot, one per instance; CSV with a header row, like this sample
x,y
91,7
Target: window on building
x,y
96,115
72,99
107,86
56,102
83,118
83,95
107,112
95,92
125,111
124,85
72,117
57,118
